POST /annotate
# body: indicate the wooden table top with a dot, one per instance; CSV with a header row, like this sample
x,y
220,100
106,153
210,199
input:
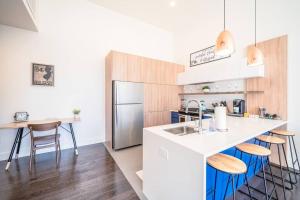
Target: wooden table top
x,y
16,125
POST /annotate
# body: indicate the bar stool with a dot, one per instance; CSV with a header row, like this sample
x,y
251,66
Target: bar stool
x,y
230,165
272,140
290,135
263,153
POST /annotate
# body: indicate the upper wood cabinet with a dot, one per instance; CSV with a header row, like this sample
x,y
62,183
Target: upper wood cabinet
x,y
160,89
127,67
274,84
119,69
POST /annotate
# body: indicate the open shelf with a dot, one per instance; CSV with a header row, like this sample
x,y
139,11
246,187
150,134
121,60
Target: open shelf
x,y
219,93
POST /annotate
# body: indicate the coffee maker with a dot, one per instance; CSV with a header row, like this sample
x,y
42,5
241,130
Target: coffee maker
x,y
239,106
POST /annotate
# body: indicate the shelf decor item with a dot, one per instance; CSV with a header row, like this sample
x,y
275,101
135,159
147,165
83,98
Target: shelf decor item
x,y
206,89
225,42
254,55
42,74
76,113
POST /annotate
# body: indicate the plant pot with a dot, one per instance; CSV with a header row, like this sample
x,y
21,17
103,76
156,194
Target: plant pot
x,y
76,116
206,90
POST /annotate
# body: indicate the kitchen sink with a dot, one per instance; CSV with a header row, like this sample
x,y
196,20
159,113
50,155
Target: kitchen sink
x,y
182,130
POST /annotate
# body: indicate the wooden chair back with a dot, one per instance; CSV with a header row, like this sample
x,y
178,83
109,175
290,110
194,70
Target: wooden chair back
x,y
44,127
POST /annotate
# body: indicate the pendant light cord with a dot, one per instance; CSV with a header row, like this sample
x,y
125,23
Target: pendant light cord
x,y
255,25
224,14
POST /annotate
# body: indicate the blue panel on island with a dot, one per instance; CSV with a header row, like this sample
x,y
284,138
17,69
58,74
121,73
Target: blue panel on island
x,y
222,178
174,117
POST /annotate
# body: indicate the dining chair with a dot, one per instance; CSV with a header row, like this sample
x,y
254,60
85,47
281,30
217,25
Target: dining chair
x,y
46,141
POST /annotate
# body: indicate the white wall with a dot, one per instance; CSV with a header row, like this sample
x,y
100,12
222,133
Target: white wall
x,y
274,18
75,36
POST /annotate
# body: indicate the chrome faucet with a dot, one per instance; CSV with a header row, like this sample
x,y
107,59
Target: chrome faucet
x,y
200,113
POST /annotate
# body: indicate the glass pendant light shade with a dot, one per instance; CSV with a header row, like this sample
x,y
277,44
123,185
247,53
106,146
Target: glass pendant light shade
x,y
224,44
255,56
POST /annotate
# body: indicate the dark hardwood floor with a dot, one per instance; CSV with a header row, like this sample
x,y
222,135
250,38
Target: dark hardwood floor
x,y
91,175
259,184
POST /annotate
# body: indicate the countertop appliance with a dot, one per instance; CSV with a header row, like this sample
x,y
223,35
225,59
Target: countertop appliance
x,y
238,108
128,114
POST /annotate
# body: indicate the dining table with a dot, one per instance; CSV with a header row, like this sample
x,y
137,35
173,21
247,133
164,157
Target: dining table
x,y
20,127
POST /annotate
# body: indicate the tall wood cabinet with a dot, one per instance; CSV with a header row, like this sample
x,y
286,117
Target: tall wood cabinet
x,y
160,89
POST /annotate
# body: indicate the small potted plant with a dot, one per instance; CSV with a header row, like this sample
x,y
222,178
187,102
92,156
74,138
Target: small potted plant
x,y
76,113
205,89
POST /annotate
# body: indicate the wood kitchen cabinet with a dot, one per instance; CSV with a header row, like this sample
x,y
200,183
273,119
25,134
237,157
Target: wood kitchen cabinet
x,y
161,94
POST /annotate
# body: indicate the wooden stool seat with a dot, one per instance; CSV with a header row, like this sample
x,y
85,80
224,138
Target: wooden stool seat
x,y
253,149
282,132
227,164
270,139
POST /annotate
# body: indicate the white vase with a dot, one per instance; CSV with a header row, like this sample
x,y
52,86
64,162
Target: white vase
x,y
76,116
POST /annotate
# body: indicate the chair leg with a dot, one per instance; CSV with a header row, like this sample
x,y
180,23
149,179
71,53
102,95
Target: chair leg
x,y
264,175
34,156
297,160
30,161
281,171
56,154
59,149
294,161
272,178
287,166
247,184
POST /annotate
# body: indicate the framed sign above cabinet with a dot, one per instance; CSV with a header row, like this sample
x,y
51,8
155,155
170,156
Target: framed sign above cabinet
x,y
205,56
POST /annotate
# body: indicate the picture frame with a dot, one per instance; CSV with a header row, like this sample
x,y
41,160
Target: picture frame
x,y
204,56
42,74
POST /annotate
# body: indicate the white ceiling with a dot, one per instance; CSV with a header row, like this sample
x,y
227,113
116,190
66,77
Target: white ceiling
x,y
159,12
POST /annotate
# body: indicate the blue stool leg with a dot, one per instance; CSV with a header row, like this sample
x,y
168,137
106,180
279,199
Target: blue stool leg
x,y
259,143
215,187
226,187
233,192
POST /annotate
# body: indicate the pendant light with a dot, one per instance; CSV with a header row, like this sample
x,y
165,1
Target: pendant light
x,y
224,43
255,56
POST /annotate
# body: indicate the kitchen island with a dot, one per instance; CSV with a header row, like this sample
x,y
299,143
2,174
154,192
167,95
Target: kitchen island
x,y
174,167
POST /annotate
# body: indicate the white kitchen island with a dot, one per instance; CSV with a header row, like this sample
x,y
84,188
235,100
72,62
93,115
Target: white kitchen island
x,y
174,167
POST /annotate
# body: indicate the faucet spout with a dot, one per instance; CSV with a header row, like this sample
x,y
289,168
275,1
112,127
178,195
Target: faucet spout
x,y
200,113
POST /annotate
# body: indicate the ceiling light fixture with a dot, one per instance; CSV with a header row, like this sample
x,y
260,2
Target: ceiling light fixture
x,y
172,3
224,43
254,55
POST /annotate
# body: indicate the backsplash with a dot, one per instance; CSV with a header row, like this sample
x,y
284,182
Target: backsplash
x,y
224,86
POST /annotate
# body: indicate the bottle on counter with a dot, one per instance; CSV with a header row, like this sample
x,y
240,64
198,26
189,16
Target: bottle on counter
x,y
212,124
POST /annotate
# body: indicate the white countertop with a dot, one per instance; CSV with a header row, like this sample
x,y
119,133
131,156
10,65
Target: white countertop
x,y
239,130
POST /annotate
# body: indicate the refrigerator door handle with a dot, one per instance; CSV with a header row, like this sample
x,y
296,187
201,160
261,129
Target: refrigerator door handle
x,y
116,113
116,94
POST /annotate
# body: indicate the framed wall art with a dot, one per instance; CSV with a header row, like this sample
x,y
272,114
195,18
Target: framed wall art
x,y
205,56
42,74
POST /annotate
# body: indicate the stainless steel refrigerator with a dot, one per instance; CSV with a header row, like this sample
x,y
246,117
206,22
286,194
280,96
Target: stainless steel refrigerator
x,y
128,114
